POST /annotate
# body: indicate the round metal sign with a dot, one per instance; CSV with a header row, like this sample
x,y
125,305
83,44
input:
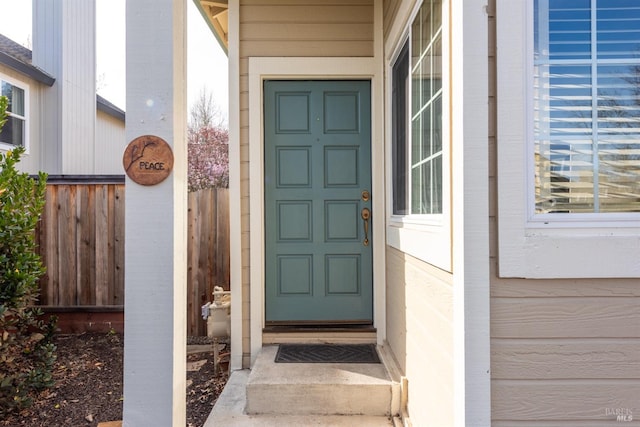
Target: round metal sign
x,y
148,160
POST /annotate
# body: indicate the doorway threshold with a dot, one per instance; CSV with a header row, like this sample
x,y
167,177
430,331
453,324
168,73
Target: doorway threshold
x,y
309,334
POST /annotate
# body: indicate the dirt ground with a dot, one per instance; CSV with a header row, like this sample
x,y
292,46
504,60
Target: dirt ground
x,y
88,385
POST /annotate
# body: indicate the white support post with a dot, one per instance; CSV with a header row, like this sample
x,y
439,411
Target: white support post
x,y
155,219
470,196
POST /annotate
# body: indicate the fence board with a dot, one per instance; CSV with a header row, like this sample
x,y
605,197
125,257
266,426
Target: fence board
x,y
81,242
67,249
102,245
208,238
86,246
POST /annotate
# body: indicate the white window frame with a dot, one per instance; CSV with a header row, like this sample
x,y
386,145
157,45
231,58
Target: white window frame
x,y
544,245
426,237
25,87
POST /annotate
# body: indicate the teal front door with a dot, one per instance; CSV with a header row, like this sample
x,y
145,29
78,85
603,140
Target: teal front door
x,y
317,202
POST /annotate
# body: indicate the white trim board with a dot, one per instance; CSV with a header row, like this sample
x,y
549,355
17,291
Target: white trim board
x,y
235,211
309,68
470,199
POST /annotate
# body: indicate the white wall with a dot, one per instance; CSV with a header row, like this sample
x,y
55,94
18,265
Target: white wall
x,y
110,142
64,46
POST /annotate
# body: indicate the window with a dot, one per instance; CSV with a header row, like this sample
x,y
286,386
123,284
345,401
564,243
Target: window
x,y
568,138
419,143
14,131
587,106
417,117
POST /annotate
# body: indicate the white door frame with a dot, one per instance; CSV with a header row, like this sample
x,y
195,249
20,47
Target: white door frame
x,y
261,69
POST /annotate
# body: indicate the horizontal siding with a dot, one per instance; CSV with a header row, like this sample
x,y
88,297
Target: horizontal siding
x,y
563,400
314,48
347,12
563,352
308,31
565,317
306,28
420,335
573,358
521,288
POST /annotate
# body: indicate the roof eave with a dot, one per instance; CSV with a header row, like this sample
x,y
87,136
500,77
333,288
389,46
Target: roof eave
x,y
110,109
27,69
213,25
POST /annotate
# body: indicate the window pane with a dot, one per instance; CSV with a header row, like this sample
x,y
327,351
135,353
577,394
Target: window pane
x,y
421,157
436,77
416,140
420,189
425,143
13,131
436,135
16,98
400,118
587,112
436,186
618,28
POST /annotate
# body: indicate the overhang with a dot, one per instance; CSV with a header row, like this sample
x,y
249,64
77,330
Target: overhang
x,y
216,15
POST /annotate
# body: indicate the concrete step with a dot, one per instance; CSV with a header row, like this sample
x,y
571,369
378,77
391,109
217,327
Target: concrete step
x,y
229,412
319,388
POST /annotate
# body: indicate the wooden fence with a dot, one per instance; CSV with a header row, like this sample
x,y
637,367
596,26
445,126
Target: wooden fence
x,y
208,252
81,241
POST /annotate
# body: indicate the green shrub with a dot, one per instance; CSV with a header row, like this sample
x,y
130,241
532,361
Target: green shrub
x,y
26,350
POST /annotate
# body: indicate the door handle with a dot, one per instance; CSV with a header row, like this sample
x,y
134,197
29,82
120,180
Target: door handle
x,y
366,214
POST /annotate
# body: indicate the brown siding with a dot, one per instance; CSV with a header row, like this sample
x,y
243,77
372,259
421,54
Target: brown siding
x,y
306,28
563,352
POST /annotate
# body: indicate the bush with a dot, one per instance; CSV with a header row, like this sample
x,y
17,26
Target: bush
x,y
26,350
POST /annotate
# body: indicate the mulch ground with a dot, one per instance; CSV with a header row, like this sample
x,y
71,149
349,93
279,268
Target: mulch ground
x,y
88,385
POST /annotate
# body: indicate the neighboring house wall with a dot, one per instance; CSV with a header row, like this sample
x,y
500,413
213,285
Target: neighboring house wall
x,y
110,143
31,161
563,352
419,300
306,28
67,52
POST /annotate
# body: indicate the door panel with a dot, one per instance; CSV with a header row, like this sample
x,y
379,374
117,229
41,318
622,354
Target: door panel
x,y
317,165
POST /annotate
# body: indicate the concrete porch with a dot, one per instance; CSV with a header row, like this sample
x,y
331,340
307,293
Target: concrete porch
x,y
319,394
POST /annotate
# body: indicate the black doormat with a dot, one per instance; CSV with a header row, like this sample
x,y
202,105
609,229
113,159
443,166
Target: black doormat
x,y
327,353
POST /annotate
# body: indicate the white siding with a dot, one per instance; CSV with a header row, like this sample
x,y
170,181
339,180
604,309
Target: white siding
x,y
110,143
420,335
32,161
64,46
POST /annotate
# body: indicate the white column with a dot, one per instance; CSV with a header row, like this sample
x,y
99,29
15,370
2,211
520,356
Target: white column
x,y
155,247
470,196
